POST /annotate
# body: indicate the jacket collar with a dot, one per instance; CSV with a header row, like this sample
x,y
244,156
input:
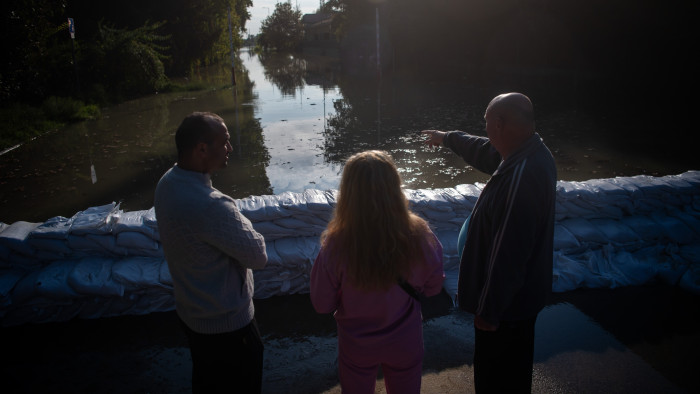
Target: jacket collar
x,y
530,145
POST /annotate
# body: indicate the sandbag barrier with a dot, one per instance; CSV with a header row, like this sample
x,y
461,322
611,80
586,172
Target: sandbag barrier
x,y
105,262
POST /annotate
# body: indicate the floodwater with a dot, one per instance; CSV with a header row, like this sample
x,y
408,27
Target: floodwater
x,y
293,121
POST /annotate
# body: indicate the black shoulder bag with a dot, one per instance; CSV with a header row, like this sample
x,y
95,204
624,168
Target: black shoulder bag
x,y
409,289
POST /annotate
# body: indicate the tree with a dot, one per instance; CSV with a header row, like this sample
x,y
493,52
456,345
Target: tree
x,y
36,50
283,29
130,62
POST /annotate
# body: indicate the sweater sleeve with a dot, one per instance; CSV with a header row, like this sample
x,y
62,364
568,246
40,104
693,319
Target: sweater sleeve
x,y
324,285
432,251
233,234
474,150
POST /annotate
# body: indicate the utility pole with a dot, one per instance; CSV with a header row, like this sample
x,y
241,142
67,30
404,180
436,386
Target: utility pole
x,y
230,43
71,30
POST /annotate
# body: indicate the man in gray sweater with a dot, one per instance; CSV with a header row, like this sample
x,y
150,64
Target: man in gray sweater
x,y
211,250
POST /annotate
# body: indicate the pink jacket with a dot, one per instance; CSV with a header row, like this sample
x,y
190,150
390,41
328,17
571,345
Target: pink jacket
x,y
366,318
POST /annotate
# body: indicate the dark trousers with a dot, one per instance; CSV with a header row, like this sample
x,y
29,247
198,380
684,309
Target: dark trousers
x,y
503,358
230,362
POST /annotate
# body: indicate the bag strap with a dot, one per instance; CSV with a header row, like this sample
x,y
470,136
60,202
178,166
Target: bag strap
x,y
409,289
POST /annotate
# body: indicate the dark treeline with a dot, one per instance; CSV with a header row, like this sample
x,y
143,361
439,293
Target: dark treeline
x,y
638,45
631,60
122,49
616,54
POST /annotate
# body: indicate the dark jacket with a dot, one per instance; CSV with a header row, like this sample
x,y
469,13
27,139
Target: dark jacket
x,y
506,267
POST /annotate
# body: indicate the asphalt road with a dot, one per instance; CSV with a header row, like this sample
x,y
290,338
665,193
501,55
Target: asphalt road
x,y
629,340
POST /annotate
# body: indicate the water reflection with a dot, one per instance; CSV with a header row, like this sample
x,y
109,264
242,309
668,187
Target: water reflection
x,y
294,120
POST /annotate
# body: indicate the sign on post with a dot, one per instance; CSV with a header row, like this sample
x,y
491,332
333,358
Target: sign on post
x,y
71,28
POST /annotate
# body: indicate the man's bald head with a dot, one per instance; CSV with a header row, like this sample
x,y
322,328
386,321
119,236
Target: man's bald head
x,y
514,107
510,121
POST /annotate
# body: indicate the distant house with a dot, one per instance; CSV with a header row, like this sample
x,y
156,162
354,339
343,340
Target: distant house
x,y
318,31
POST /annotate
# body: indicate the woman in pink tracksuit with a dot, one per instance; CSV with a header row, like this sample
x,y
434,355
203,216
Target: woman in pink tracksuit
x,y
371,243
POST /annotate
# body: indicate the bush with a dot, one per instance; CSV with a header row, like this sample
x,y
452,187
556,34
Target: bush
x,y
62,109
20,122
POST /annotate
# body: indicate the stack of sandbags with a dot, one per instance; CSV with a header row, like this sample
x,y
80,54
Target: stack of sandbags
x,y
628,231
106,262
100,262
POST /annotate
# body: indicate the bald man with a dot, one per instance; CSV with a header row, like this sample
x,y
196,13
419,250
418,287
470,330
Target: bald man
x,y
506,262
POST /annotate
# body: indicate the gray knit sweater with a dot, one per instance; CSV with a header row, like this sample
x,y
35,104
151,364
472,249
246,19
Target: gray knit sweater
x,y
210,248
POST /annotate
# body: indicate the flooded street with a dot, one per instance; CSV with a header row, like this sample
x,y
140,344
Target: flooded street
x,y
293,121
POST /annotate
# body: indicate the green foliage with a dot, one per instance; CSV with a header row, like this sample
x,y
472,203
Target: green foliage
x,y
67,109
131,61
282,30
21,122
35,56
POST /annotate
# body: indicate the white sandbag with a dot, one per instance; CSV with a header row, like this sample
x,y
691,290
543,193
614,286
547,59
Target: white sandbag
x,y
573,208
691,177
314,218
261,208
137,272
292,201
58,247
94,220
673,228
563,239
607,187
687,217
296,251
273,258
107,243
615,231
25,288
93,276
164,276
567,273
272,231
470,191
448,240
52,281
137,221
84,244
8,280
15,237
437,216
426,199
596,269
584,231
317,201
19,260
5,256
296,224
55,228
628,270
670,265
130,240
647,229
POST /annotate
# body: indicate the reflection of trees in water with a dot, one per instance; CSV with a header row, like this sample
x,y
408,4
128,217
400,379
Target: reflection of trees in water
x,y
389,113
247,163
354,125
290,72
286,71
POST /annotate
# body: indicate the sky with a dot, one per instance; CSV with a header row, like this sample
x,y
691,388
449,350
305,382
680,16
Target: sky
x,y
262,8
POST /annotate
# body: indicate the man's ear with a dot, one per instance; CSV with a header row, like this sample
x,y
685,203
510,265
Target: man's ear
x,y
201,148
